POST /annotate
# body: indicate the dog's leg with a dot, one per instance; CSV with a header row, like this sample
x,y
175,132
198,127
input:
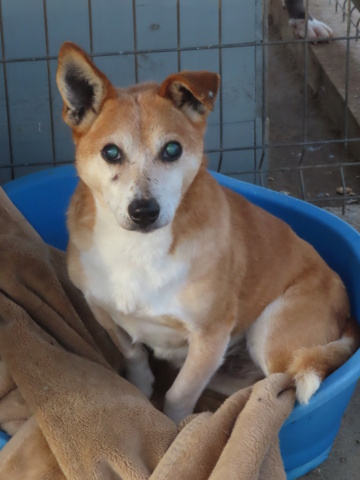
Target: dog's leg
x,y
205,355
303,339
137,369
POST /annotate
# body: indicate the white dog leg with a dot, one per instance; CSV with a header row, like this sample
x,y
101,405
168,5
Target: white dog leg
x,y
137,369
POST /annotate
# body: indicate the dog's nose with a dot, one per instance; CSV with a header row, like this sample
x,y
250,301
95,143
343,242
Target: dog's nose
x,y
144,212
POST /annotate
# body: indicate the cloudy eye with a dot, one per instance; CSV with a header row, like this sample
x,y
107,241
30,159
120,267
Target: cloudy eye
x,y
111,153
171,151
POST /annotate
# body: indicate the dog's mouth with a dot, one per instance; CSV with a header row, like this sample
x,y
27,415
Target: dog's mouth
x,y
143,228
131,226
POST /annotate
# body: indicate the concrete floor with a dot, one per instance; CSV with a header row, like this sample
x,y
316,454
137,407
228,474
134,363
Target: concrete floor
x,y
344,460
285,93
285,112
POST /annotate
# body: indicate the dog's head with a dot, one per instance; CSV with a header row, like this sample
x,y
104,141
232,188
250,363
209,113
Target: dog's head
x,y
138,149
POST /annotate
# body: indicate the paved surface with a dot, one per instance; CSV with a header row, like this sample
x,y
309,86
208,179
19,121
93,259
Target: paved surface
x,y
344,460
286,89
352,216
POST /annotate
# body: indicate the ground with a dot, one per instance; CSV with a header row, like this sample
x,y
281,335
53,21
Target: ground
x,y
286,126
285,112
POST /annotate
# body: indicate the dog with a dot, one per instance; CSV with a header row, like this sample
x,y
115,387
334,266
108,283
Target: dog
x,y
168,258
316,30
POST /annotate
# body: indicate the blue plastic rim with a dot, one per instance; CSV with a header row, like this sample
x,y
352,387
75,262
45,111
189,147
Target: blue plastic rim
x,y
307,435
3,439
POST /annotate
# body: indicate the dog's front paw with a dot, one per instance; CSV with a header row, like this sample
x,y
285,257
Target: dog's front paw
x,y
142,377
317,30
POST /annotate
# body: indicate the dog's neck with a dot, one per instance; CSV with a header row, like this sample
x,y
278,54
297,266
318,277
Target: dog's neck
x,y
193,214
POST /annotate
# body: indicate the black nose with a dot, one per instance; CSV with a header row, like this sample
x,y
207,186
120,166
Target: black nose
x,y
144,212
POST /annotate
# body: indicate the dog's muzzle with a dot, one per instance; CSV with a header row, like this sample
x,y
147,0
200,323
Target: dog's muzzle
x,y
144,212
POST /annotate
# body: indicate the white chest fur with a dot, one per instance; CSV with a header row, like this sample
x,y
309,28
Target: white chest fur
x,y
133,276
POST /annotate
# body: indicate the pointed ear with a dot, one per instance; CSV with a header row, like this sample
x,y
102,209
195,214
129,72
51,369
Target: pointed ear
x,y
192,92
82,86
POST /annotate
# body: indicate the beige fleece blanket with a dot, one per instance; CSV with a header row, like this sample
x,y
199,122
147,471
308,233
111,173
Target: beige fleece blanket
x,y
72,416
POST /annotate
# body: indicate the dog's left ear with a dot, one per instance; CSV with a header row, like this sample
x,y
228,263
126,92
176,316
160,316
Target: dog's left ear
x,y
192,92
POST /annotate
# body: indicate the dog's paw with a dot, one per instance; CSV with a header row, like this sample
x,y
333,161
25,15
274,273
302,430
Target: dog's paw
x,y
317,31
176,412
142,377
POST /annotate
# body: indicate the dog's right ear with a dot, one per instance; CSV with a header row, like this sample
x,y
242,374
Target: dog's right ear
x,y
194,93
83,87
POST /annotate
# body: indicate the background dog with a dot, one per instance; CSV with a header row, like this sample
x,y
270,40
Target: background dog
x,y
297,20
168,258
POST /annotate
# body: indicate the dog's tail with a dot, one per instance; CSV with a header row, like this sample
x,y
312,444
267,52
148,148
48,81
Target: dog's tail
x,y
311,365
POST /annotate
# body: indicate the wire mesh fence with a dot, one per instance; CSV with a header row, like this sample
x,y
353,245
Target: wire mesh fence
x,y
252,134
322,161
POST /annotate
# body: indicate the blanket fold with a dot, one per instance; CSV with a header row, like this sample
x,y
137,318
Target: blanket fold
x,y
73,416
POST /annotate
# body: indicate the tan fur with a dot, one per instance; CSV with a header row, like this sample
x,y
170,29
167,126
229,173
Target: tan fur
x,y
248,274
325,358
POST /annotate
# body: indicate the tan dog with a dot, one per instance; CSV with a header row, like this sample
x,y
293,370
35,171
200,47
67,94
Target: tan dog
x,y
168,258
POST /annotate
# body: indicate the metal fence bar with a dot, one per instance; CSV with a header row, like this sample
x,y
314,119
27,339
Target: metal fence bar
x,y
52,129
347,63
233,172
178,35
343,183
221,127
264,92
305,100
90,27
269,146
255,132
8,119
135,52
182,49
